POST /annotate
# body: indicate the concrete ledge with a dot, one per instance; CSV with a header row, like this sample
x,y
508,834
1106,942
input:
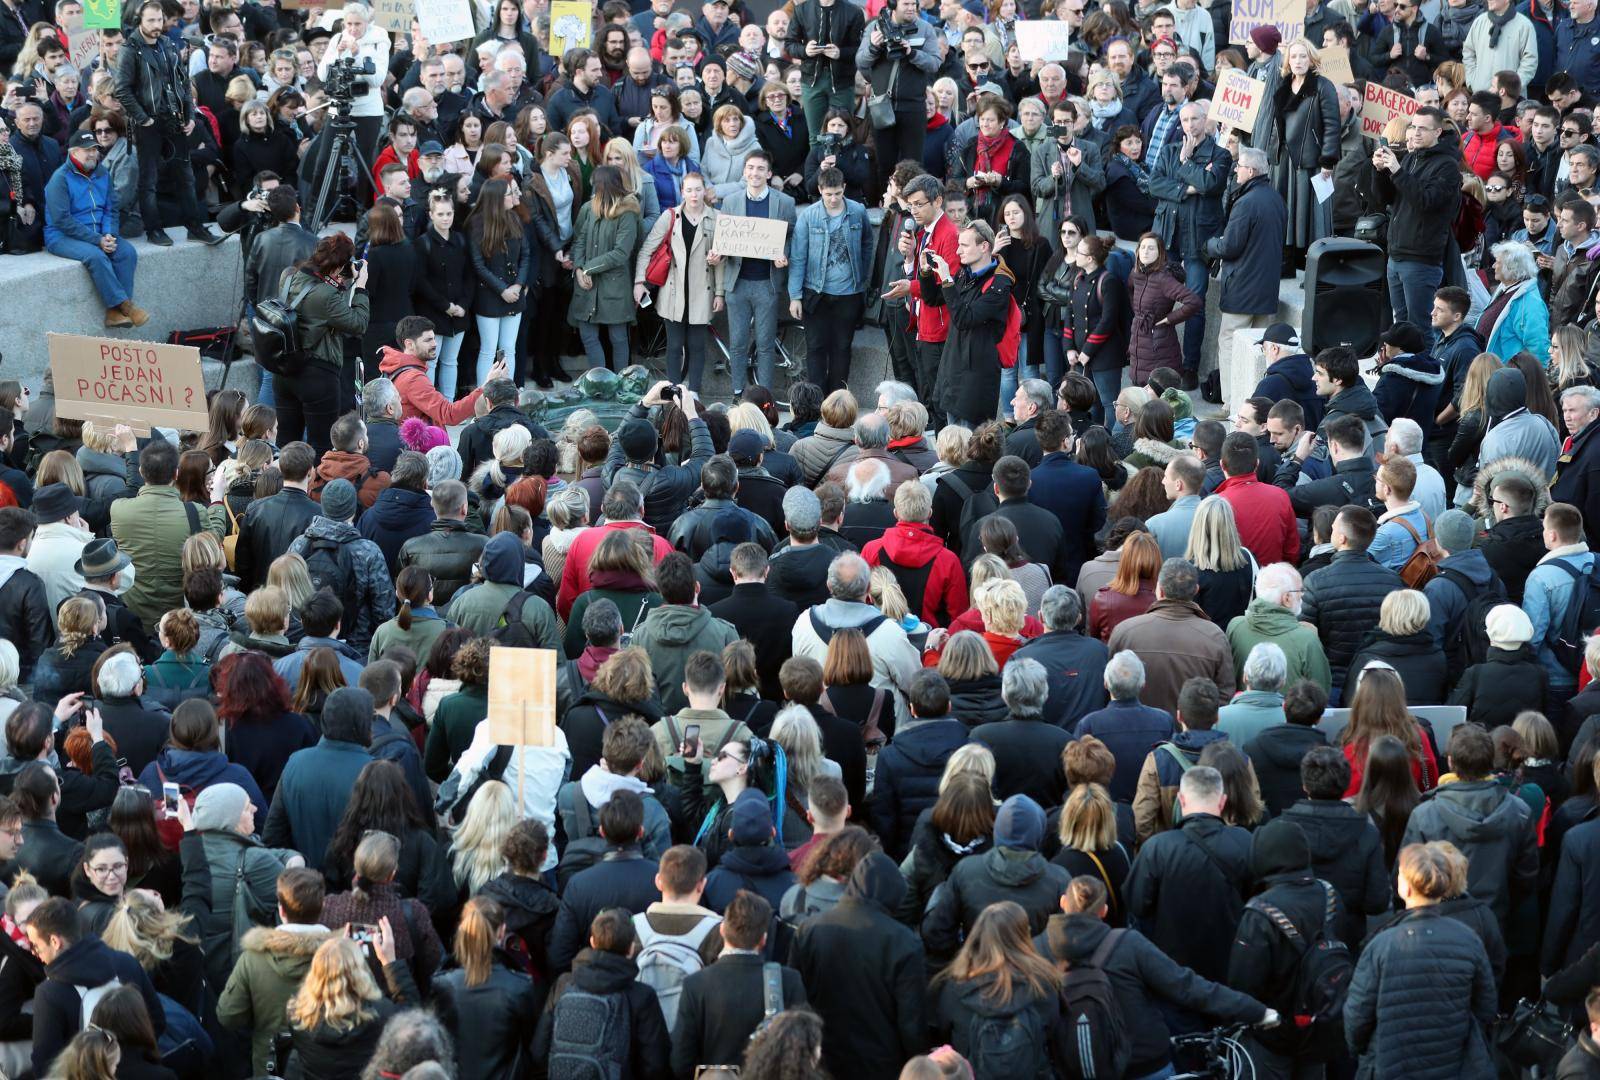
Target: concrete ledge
x,y
1242,366
186,286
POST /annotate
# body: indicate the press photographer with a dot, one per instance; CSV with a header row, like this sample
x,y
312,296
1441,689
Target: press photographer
x,y
837,149
898,54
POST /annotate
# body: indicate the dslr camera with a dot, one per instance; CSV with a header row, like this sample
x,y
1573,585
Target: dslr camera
x,y
1058,131
831,144
345,82
899,37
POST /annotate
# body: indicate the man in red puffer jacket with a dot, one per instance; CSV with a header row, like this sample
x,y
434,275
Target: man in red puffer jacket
x,y
1484,133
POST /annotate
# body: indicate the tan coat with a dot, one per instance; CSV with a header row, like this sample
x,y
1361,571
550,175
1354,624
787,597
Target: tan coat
x,y
704,282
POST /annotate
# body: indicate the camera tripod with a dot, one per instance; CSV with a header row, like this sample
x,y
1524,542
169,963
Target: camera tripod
x,y
342,171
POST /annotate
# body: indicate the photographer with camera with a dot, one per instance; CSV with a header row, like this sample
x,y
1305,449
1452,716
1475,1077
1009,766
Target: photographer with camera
x,y
153,88
897,56
283,245
836,149
329,292
1067,172
360,51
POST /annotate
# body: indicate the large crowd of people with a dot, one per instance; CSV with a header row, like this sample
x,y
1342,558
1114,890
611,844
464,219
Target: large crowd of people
x,y
1022,714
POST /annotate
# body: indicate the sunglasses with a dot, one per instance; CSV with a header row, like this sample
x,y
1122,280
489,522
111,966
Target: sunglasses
x,y
1574,132
1496,190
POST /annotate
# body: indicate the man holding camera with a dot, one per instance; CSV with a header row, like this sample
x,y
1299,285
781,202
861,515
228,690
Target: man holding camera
x,y
1067,173
153,88
824,36
978,300
898,55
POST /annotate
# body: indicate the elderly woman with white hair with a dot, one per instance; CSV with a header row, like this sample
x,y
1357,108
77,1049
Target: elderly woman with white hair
x,y
1516,318
1511,678
1403,641
139,727
1405,439
1260,705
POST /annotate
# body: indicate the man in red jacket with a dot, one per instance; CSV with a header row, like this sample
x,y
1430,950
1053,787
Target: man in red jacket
x,y
937,233
623,508
929,573
1265,518
410,369
1484,133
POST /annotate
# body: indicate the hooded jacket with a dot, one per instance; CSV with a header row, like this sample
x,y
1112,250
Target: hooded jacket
x,y
1275,754
396,516
759,868
418,396
195,770
1410,386
671,634
482,607
1423,197
595,787
1514,431
977,700
372,593
1494,829
272,964
913,551
1264,621
906,781
1017,874
58,1006
864,974
1346,852
1290,377
1447,602
604,973
1416,658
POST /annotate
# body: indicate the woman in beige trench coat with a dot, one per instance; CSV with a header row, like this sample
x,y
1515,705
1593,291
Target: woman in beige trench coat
x,y
693,290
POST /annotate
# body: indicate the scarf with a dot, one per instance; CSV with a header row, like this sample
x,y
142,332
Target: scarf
x,y
1104,110
994,152
936,121
11,167
16,933
1498,23
1140,174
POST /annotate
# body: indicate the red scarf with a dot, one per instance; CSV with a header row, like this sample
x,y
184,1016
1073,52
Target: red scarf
x,y
994,152
936,121
16,933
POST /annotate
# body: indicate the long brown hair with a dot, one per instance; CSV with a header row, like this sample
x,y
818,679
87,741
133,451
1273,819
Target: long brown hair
x,y
612,198
320,674
493,224
476,937
1139,564
1000,947
1379,708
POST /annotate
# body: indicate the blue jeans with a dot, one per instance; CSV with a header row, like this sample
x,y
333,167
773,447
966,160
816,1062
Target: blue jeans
x,y
589,334
112,274
496,333
758,301
1055,359
1011,376
1194,328
445,364
1108,384
1411,289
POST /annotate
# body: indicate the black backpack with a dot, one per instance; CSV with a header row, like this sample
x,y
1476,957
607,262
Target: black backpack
x,y
1315,1026
1471,643
1008,1044
1097,1039
328,562
512,631
275,338
1579,620
585,846
591,1038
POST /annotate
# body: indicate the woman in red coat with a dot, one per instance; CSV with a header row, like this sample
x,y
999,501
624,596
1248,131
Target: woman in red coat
x,y
1160,302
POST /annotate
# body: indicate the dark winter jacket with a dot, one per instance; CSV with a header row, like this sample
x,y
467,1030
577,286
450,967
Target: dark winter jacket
x,y
1160,302
907,778
1027,754
489,1022
1290,377
864,974
58,1004
1275,754
622,878
1514,547
1251,249
1416,657
195,770
1130,731
1187,889
977,306
1347,853
722,1004
447,551
327,1053
1422,198
311,797
25,616
1342,600
213,891
666,488
1188,194
1506,683
1494,829
1394,1017
603,973
268,528
1265,961
396,516
762,869
1002,873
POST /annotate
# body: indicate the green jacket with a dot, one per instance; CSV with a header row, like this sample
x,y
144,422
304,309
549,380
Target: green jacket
x,y
272,965
173,672
453,725
426,628
151,528
479,608
1264,621
326,315
603,248
629,604
673,633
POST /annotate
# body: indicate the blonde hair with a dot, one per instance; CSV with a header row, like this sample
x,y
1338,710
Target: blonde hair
x,y
631,175
476,935
1538,735
477,848
1104,75
142,929
1214,537
951,444
101,440
884,590
987,568
1088,819
266,610
1003,605
203,551
1436,870
10,664
906,418
78,620
973,759
1311,51
747,416
60,467
839,409
288,572
338,990
967,656
1404,611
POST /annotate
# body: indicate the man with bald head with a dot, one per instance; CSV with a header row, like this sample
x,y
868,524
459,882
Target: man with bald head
x,y
1188,181
633,89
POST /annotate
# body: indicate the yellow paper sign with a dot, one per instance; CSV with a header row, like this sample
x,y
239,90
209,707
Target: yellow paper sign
x,y
571,26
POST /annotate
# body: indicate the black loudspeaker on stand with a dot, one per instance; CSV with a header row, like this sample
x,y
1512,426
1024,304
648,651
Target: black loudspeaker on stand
x,y
1346,296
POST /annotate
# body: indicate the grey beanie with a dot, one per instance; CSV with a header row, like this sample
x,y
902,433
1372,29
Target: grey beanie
x,y
443,464
1454,531
218,807
339,500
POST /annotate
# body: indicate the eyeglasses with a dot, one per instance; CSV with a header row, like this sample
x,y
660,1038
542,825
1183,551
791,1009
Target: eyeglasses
x,y
105,131
978,67
110,868
923,204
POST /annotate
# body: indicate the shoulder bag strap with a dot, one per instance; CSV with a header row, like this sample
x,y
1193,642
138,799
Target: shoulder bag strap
x,y
1105,877
1410,528
1212,857
193,515
1108,945
1280,920
580,815
826,703
1177,755
873,713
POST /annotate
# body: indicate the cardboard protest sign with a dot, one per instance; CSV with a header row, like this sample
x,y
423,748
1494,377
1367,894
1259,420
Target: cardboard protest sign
x,y
444,20
1336,65
102,14
522,696
394,15
83,48
1289,16
1380,105
748,237
571,25
1043,39
1238,100
138,383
